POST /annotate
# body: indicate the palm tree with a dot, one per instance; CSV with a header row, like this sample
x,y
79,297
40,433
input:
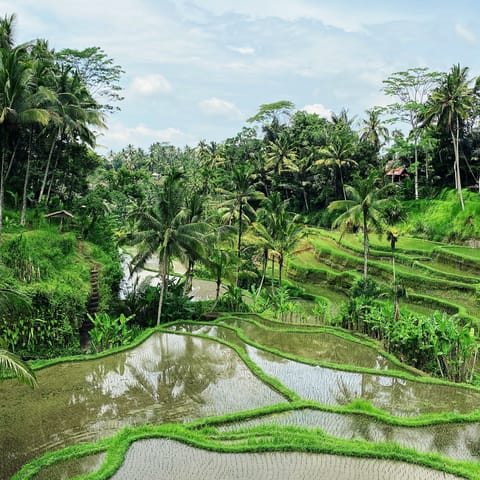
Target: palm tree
x,y
15,90
281,154
74,114
338,153
392,237
450,104
236,203
11,364
220,262
286,240
362,208
164,229
373,130
266,226
278,231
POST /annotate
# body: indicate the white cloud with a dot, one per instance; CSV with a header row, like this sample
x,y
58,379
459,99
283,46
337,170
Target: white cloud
x,y
150,84
218,107
463,32
119,135
319,109
242,50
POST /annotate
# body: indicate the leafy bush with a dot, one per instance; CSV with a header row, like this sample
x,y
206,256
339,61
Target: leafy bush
x,y
109,332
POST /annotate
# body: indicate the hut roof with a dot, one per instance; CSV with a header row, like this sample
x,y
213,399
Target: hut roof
x,y
59,214
397,172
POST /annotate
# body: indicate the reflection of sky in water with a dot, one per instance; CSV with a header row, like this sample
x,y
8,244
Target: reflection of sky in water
x,y
334,387
320,346
168,378
176,461
459,441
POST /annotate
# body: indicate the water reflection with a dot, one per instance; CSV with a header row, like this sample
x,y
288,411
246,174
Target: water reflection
x,y
169,378
397,396
313,345
176,461
451,440
333,387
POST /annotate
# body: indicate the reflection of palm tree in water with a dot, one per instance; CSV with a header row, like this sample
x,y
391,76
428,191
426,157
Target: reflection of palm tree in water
x,y
172,370
392,394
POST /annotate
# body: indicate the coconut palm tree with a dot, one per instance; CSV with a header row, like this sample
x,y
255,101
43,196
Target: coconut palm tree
x,y
19,105
266,226
74,115
11,364
235,205
450,105
164,229
362,208
338,153
277,231
373,130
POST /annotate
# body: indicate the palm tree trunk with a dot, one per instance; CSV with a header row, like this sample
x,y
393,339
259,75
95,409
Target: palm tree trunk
x,y
163,286
2,186
416,167
341,181
264,270
47,168
52,178
189,277
239,241
365,249
456,167
26,180
4,171
280,268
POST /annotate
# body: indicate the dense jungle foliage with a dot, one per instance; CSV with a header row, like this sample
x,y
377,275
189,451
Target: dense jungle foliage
x,y
232,211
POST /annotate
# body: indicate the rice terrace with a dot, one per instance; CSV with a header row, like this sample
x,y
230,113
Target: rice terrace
x,y
298,300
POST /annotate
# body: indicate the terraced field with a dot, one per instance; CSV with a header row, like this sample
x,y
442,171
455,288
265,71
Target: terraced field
x,y
242,397
435,276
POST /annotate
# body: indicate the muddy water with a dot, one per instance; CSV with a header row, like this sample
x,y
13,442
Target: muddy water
x,y
458,441
315,346
334,387
395,395
146,458
72,468
169,378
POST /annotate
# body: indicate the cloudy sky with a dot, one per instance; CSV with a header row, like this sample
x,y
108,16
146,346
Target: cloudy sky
x,y
197,69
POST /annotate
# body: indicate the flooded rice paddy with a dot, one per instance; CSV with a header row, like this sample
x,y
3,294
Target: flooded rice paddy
x,y
180,462
168,378
177,377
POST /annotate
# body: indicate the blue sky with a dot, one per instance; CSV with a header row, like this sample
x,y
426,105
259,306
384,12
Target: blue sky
x,y
198,69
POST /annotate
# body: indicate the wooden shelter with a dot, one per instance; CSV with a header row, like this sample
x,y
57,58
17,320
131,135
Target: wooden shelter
x,y
61,214
397,174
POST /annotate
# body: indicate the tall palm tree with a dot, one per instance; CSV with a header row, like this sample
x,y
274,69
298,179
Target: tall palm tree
x,y
277,231
18,105
338,153
362,208
450,105
74,115
392,237
164,229
235,205
281,154
373,130
266,225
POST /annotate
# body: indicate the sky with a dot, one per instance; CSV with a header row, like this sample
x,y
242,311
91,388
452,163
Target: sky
x,y
196,70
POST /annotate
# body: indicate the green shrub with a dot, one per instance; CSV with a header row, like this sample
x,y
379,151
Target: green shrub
x,y
109,332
